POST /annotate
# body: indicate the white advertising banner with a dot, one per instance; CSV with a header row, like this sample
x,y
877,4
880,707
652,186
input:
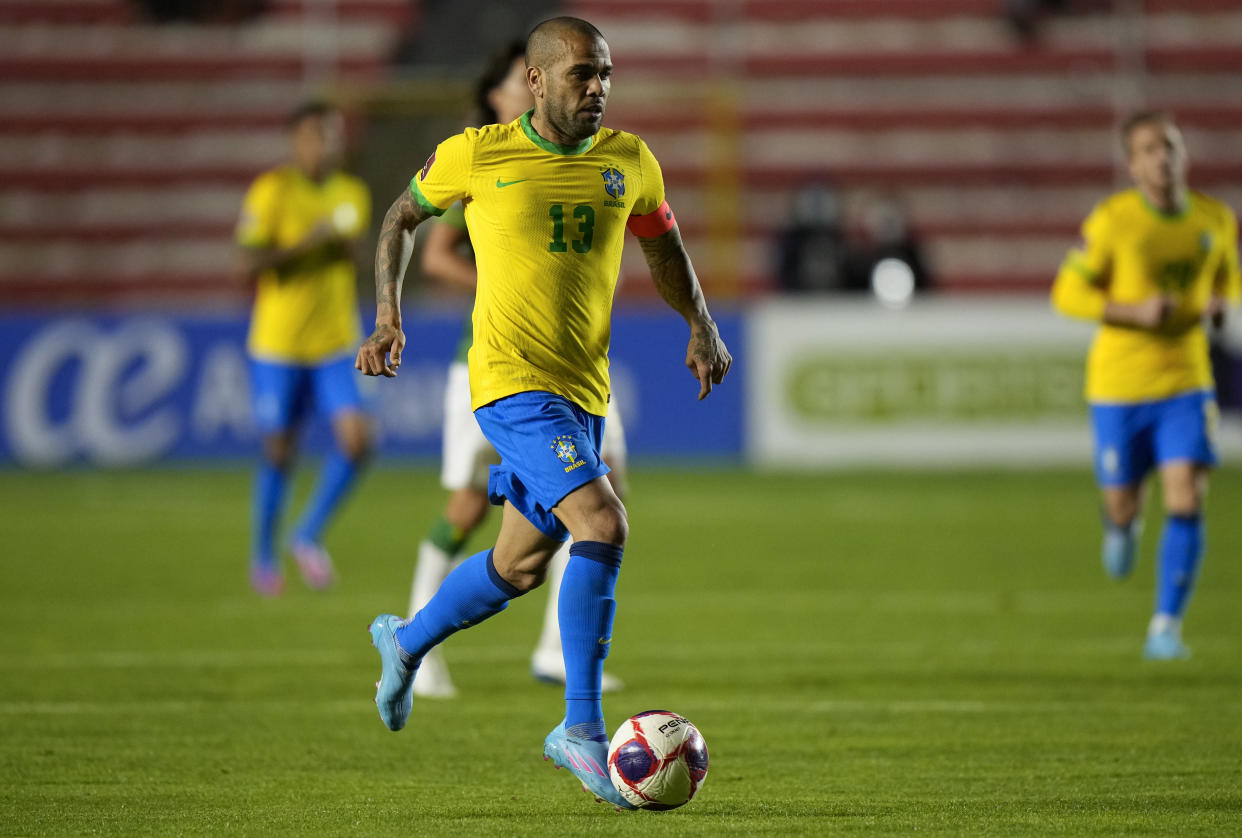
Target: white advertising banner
x,y
843,382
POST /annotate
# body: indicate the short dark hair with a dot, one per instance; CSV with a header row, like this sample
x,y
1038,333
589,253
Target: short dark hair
x,y
310,108
493,75
1138,118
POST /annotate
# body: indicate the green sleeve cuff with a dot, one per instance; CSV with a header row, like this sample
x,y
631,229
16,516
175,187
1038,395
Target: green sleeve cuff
x,y
1078,266
422,200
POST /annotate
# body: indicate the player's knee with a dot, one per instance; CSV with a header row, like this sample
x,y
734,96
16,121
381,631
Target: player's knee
x,y
357,448
278,450
610,524
1122,507
1183,501
353,440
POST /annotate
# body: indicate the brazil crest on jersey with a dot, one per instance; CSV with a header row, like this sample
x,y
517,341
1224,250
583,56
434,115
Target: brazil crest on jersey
x,y
306,312
1131,252
547,223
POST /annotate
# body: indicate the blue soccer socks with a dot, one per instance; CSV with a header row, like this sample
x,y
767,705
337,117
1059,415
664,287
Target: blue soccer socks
x,y
270,487
336,477
586,613
470,594
1181,552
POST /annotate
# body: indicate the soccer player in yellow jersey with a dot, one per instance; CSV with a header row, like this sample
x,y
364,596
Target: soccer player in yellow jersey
x,y
501,95
1156,260
547,199
298,227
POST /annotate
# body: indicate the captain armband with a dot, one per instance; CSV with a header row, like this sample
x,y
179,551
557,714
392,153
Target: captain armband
x,y
652,224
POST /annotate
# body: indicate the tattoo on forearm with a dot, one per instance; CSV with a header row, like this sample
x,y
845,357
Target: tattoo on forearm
x,y
391,254
672,272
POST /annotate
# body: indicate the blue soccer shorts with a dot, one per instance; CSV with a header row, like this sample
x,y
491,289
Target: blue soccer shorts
x,y
1131,439
285,394
548,447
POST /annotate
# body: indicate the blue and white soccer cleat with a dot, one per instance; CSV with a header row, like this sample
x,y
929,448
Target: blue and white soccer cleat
x,y
1165,645
394,691
1118,549
587,759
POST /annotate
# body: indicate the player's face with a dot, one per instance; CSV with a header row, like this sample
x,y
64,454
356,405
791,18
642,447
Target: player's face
x,y
1157,156
512,97
574,89
318,142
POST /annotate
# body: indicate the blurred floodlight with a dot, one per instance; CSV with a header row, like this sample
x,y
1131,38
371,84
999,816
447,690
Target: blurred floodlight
x,y
892,282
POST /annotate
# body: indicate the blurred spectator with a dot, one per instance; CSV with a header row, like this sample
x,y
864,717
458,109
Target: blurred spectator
x,y
813,252
890,258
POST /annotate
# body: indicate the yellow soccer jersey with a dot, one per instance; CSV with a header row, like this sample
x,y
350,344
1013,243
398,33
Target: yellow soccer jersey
x,y
307,312
1132,252
547,224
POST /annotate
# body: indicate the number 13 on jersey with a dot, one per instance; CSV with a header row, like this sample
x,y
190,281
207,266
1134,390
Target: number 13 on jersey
x,y
584,214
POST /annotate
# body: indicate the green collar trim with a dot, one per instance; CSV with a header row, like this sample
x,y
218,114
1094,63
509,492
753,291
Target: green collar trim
x,y
547,145
1168,216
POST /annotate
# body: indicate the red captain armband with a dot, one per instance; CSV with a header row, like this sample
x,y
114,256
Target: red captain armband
x,y
653,223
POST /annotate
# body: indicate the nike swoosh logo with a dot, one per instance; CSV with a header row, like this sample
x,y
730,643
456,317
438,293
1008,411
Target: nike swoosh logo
x,y
500,184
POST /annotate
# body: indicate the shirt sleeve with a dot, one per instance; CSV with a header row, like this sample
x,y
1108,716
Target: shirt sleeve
x,y
256,226
652,194
445,177
1081,283
1228,277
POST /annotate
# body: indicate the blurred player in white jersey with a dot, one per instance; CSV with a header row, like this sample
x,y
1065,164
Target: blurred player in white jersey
x,y
501,95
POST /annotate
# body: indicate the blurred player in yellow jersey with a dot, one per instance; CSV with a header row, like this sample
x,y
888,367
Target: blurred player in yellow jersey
x,y
501,95
1156,261
299,224
548,198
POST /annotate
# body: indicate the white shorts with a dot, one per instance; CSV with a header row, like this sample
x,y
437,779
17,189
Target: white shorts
x,y
467,453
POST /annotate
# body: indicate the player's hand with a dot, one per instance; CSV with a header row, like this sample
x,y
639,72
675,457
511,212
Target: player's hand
x,y
380,354
322,233
1152,313
1158,310
707,358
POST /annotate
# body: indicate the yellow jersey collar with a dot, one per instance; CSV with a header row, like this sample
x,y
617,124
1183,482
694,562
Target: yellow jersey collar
x,y
548,145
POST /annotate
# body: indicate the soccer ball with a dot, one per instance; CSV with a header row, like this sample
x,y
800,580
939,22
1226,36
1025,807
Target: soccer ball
x,y
657,760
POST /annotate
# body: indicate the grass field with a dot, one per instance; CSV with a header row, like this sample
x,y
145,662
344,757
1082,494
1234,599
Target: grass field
x,y
882,653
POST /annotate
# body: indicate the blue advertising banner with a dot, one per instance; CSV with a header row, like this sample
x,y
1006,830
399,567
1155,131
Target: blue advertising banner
x,y
137,389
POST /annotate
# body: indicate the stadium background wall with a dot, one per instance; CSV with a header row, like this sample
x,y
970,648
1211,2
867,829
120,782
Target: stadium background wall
x,y
816,384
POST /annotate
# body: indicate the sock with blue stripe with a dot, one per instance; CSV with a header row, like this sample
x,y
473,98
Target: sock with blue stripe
x,y
268,497
336,478
1181,552
586,613
469,595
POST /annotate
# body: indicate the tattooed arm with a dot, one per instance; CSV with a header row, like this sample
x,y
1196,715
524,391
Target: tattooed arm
x,y
706,356
380,354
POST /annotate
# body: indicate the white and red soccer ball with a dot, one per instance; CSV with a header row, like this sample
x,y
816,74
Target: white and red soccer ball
x,y
657,760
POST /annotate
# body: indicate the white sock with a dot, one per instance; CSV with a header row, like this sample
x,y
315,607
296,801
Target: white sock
x,y
433,565
1161,623
550,638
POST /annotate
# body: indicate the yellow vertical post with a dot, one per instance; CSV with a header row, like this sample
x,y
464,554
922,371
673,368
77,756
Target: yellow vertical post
x,y
723,187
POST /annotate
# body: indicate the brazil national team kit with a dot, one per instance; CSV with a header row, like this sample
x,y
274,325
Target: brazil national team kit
x,y
1151,394
549,336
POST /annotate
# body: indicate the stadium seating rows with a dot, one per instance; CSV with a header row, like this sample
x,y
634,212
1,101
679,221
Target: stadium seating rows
x,y
126,145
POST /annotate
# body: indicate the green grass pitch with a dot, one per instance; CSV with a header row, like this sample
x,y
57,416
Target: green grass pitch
x,y
885,653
